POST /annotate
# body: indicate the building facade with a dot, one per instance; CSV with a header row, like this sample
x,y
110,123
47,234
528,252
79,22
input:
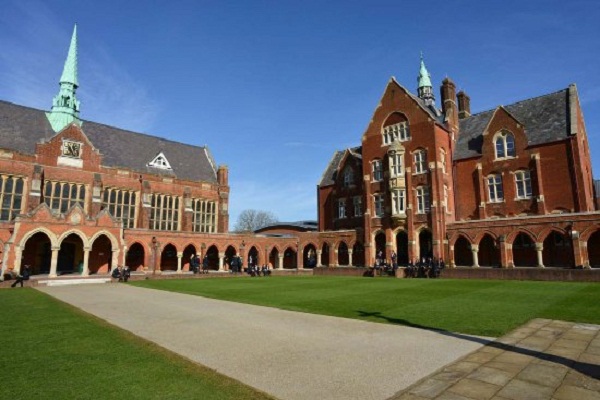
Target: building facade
x,y
506,187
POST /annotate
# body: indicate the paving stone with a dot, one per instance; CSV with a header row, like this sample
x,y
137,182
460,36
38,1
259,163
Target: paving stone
x,y
589,358
507,367
462,366
491,349
409,396
430,388
593,350
450,376
567,392
548,333
572,344
514,358
561,324
452,396
545,375
492,375
475,389
575,378
479,357
535,343
562,353
521,390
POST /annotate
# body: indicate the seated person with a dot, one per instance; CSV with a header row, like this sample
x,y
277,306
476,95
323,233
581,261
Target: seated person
x,y
116,273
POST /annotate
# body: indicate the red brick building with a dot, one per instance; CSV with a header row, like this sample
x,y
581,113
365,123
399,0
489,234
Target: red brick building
x,y
506,187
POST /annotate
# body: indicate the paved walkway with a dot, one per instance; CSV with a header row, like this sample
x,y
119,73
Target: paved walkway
x,y
543,359
287,354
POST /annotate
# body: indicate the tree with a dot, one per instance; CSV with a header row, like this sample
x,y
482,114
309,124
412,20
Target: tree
x,y
251,220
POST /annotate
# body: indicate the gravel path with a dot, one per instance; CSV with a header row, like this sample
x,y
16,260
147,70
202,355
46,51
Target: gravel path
x,y
288,354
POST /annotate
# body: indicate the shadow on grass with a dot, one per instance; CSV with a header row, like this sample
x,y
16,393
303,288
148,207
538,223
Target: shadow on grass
x,y
588,369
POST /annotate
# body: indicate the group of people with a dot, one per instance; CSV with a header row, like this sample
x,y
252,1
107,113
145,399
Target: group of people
x,y
121,273
195,264
426,267
255,270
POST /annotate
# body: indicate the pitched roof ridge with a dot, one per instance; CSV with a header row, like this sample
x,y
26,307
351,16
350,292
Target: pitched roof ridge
x,y
515,103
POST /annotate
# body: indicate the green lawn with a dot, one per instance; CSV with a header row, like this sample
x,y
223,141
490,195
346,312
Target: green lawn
x,y
53,351
478,307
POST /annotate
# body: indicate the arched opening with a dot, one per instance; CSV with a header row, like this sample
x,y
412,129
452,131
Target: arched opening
x,y
343,258
489,253
274,258
100,259
325,255
309,256
524,254
253,256
463,257
380,245
358,254
593,246
70,255
289,258
402,248
426,244
168,258
230,252
134,258
557,251
188,253
212,255
37,254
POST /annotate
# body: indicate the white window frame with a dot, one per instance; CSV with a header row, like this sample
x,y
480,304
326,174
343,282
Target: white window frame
x,y
398,201
443,159
446,195
506,146
396,165
341,203
357,203
523,184
398,132
420,161
379,205
204,219
423,200
348,177
377,169
495,188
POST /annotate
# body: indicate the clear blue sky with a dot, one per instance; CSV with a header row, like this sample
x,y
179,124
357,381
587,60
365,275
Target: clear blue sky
x,y
275,87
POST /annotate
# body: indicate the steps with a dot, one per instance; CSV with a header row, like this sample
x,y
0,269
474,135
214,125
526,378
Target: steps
x,y
74,281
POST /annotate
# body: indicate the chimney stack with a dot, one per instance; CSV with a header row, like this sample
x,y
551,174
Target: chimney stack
x,y
449,103
464,105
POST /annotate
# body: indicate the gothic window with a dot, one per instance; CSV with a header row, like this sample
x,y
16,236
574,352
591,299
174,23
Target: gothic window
x,y
396,169
11,196
398,201
443,159
60,196
420,158
357,203
495,190
342,208
423,205
379,205
204,219
348,177
377,170
121,204
164,212
523,182
398,132
505,145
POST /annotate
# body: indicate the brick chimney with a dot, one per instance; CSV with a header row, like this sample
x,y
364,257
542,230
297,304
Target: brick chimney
x,y
464,105
449,104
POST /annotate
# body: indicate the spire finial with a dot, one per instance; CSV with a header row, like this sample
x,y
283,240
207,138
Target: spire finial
x,y
65,106
424,88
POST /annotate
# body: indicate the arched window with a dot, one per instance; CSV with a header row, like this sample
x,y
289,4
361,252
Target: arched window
x,y
523,182
420,158
348,177
505,145
495,189
398,132
423,205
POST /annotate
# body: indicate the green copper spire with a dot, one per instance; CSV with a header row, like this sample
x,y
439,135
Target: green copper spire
x,y
424,78
65,106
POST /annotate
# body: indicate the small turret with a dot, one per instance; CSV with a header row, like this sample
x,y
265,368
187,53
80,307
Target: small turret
x,y
425,89
65,106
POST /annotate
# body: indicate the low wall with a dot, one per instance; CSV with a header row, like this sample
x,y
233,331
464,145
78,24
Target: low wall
x,y
524,274
351,271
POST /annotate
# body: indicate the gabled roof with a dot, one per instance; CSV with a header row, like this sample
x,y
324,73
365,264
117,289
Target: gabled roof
x,y
330,173
22,127
545,119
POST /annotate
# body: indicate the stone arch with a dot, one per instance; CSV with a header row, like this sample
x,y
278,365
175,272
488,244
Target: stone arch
x,y
343,257
489,251
100,256
394,117
309,255
81,235
113,241
230,252
168,257
189,251
557,249
51,236
523,248
325,249
37,252
70,255
135,256
290,258
463,256
425,243
212,257
274,257
379,240
593,248
510,238
254,252
402,251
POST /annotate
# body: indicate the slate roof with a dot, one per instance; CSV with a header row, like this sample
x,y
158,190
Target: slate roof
x,y
545,118
306,226
22,127
330,173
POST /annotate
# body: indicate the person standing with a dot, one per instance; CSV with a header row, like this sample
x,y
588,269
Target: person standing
x,y
22,277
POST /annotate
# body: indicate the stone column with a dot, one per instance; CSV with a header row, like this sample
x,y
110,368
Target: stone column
x,y
115,259
350,257
336,259
300,259
474,251
539,247
451,261
179,257
86,261
280,262
319,252
221,260
54,261
17,265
